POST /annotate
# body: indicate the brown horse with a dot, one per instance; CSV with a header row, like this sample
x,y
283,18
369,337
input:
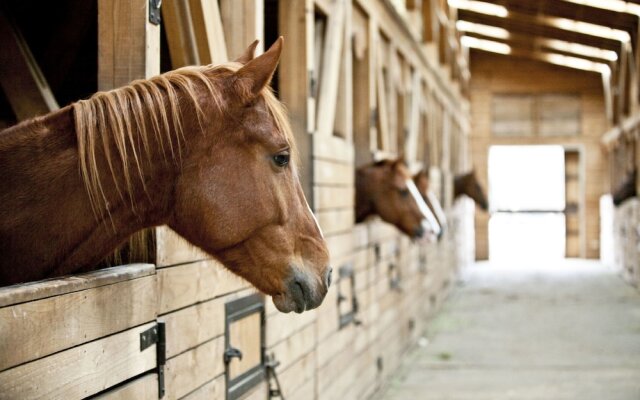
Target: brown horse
x,y
468,184
627,189
421,179
206,150
387,189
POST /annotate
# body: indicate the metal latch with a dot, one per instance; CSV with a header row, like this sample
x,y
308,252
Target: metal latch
x,y
154,11
231,353
157,335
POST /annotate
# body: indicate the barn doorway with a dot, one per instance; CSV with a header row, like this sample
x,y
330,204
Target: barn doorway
x,y
534,198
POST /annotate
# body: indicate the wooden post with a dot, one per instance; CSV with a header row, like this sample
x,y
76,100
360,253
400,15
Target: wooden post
x,y
128,44
330,70
209,35
243,23
296,20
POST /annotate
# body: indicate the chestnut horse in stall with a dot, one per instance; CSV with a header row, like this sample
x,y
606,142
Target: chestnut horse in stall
x,y
627,188
387,189
206,150
468,184
421,179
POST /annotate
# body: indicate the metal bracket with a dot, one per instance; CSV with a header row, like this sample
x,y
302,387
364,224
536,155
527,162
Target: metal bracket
x,y
231,353
270,365
312,84
157,335
154,11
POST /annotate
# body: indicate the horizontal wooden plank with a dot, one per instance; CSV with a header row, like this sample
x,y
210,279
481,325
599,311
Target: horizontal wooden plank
x,y
38,328
192,369
52,287
213,390
332,174
280,326
336,221
81,371
295,346
333,148
326,197
144,388
173,249
340,245
187,284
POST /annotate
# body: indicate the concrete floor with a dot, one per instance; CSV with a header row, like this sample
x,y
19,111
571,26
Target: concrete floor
x,y
561,330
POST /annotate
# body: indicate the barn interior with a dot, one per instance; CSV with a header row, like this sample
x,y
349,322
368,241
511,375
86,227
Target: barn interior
x,y
531,293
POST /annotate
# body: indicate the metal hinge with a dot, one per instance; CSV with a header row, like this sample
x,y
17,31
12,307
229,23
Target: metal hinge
x,y
270,365
154,11
157,335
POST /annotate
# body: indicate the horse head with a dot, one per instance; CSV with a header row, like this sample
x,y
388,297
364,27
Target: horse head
x,y
386,188
238,194
468,184
627,189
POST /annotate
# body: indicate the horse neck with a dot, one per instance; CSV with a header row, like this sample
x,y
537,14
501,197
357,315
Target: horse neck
x,y
364,206
460,186
48,226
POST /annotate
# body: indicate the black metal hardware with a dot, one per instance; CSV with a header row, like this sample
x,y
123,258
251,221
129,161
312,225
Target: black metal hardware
x,y
379,364
237,310
374,116
312,84
230,353
148,337
345,318
154,11
376,251
394,278
157,335
270,365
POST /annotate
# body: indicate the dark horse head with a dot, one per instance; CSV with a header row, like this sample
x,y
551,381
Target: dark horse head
x,y
386,188
206,150
627,189
467,184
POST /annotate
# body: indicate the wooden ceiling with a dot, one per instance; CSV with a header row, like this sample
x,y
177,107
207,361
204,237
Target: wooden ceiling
x,y
557,30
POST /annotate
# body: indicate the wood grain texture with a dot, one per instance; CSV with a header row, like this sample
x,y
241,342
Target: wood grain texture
x,y
36,329
81,371
144,388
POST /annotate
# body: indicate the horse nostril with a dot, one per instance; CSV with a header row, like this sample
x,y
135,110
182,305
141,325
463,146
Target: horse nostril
x,y
328,277
418,232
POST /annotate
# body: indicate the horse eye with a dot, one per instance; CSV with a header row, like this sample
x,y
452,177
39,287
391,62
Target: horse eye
x,y
404,192
281,159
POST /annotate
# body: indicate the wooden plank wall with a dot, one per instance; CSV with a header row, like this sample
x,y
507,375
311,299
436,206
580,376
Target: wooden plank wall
x,y
380,85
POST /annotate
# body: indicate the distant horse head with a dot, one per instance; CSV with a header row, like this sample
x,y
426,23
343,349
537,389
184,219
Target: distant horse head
x,y
421,179
468,184
627,189
387,189
209,152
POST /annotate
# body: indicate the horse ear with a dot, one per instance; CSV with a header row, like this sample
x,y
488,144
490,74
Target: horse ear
x,y
248,54
257,73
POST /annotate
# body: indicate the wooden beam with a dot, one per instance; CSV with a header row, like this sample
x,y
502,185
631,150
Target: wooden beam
x,y
243,22
343,126
330,70
128,44
176,17
209,35
296,22
21,79
539,26
411,146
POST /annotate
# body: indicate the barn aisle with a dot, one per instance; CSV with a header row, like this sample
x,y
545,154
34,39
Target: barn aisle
x,y
565,330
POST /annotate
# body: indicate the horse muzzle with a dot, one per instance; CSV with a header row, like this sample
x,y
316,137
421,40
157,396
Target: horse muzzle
x,y
303,292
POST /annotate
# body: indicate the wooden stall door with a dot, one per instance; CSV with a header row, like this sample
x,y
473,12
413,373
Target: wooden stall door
x,y
572,203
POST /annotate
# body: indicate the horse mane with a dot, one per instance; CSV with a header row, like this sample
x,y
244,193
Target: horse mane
x,y
127,119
